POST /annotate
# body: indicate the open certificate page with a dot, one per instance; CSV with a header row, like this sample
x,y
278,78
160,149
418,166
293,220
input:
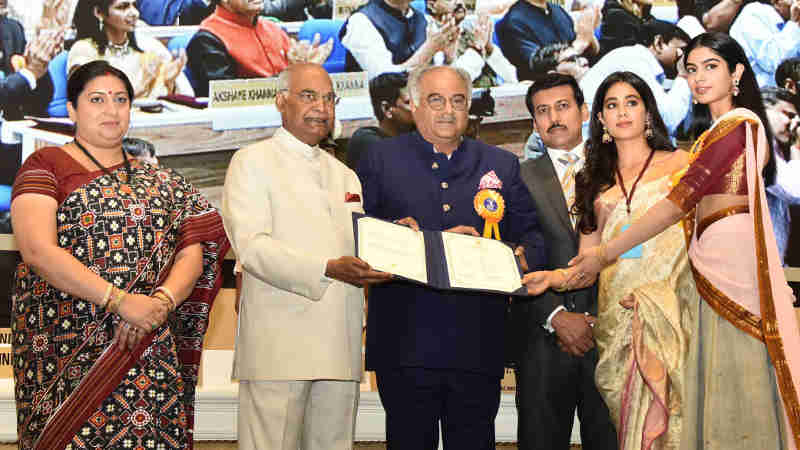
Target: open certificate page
x,y
396,249
478,263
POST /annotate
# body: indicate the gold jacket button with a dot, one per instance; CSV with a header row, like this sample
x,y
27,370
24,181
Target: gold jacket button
x,y
445,185
445,207
435,165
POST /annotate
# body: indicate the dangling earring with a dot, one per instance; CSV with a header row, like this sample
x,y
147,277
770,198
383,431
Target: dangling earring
x,y
606,137
100,24
648,129
735,89
694,101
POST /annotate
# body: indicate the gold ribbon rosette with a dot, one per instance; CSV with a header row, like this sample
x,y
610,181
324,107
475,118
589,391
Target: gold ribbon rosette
x,y
490,205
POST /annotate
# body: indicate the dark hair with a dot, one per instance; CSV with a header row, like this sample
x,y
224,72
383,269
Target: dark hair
x,y
81,76
546,58
789,68
551,80
772,95
666,30
386,88
87,25
749,97
598,174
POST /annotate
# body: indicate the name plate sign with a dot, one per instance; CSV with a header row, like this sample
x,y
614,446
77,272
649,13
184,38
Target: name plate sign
x,y
6,361
236,93
350,84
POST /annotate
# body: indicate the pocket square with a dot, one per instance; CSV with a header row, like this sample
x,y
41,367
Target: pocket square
x,y
350,197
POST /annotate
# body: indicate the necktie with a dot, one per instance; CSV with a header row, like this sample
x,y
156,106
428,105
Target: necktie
x,y
570,162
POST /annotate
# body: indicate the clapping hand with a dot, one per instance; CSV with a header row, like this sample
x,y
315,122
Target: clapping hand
x,y
174,67
309,52
42,49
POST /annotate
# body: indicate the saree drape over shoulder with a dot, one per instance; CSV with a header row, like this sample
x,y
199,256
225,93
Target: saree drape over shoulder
x,y
745,356
642,351
74,388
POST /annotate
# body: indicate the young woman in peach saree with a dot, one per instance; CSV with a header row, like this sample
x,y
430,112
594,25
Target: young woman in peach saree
x,y
744,360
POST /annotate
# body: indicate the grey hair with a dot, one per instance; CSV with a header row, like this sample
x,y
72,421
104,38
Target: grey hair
x,y
416,75
283,79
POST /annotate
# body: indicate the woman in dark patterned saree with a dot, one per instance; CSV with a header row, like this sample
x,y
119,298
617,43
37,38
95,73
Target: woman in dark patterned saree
x,y
121,261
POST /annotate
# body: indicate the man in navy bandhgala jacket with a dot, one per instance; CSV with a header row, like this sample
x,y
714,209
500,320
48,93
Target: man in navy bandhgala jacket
x,y
438,355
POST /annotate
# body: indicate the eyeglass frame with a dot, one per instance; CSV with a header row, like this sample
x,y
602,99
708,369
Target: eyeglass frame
x,y
435,96
310,97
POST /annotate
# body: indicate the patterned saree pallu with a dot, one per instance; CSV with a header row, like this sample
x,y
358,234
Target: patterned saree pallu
x,y
75,387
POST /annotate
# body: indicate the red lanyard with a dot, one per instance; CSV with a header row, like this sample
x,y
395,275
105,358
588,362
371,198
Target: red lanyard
x,y
629,198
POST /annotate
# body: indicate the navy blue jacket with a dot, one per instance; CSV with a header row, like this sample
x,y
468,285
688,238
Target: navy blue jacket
x,y
402,35
409,325
525,28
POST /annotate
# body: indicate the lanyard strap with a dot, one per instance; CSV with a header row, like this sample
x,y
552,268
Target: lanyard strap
x,y
629,198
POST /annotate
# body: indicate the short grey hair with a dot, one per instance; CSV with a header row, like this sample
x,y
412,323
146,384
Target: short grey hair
x,y
416,75
283,79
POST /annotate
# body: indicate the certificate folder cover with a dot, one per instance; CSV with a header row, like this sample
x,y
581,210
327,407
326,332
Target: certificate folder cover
x,y
436,261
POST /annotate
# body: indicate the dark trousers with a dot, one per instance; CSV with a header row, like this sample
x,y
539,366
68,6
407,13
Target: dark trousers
x,y
416,400
550,386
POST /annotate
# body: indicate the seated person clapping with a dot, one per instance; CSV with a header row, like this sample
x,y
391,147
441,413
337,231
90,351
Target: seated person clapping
x,y
105,30
390,36
234,42
532,24
474,50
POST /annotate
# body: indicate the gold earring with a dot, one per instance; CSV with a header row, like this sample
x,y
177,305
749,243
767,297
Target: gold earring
x,y
735,89
648,129
606,137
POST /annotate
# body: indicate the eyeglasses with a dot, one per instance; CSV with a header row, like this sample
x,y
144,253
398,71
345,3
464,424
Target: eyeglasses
x,y
437,102
310,97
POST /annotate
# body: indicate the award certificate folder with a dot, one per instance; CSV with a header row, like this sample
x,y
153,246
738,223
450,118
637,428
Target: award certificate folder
x,y
437,258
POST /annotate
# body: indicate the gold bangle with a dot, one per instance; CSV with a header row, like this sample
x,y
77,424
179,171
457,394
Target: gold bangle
x,y
563,286
160,296
604,253
168,293
113,305
106,296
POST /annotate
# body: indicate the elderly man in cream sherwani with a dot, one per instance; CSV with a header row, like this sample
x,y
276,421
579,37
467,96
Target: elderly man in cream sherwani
x,y
287,210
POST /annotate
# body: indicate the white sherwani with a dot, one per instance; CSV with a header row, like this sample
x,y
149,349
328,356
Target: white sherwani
x,y
285,214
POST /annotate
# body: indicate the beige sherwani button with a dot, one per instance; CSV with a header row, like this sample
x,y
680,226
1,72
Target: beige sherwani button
x,y
445,185
445,207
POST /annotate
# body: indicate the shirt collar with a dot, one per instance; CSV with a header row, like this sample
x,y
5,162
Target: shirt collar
x,y
296,145
577,151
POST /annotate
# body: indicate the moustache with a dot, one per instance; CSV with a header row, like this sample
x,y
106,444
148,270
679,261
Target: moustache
x,y
448,118
554,126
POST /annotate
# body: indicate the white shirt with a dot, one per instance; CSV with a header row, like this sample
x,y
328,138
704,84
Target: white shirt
x,y
472,61
561,169
673,105
368,47
766,41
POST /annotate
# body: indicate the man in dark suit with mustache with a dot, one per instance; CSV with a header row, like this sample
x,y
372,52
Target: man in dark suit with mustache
x,y
552,383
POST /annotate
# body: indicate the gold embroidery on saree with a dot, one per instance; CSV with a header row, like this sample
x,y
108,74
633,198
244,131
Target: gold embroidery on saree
x,y
772,338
